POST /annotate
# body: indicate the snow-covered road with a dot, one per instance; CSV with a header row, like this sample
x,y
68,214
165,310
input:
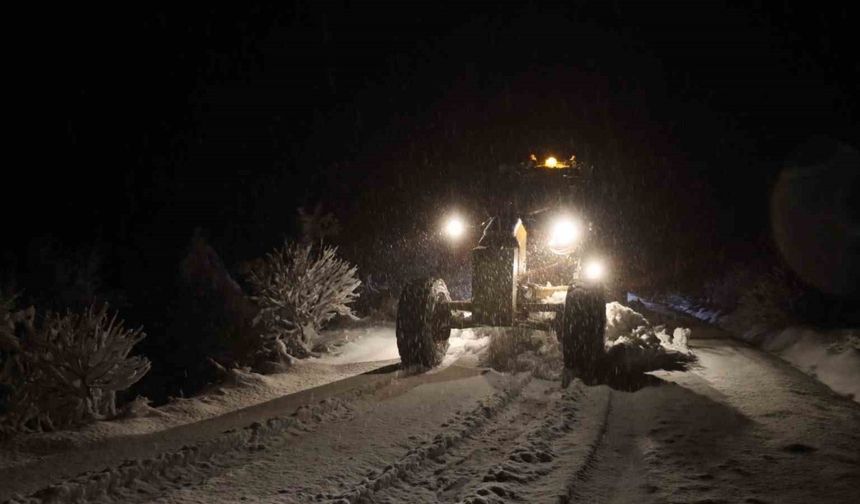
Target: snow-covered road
x,y
742,426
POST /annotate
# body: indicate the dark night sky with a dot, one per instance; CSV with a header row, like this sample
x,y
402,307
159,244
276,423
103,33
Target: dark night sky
x,y
152,121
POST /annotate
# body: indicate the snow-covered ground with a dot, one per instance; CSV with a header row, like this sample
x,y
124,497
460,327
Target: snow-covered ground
x,y
366,349
378,342
366,343
355,349
830,355
739,426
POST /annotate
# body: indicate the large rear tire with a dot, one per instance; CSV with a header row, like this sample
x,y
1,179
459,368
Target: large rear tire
x,y
423,322
582,328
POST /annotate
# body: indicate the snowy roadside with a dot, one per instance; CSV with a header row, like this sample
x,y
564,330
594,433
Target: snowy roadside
x,y
830,356
240,390
354,350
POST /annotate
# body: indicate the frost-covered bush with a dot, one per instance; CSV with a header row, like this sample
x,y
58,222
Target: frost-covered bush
x,y
68,370
298,290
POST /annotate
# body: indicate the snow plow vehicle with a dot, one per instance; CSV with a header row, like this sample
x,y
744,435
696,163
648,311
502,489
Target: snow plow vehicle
x,y
534,266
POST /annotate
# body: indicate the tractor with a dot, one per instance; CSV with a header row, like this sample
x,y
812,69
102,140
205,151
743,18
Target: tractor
x,y
534,266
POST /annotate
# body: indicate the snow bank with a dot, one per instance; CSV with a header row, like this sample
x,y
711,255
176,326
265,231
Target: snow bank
x,y
833,357
360,350
624,325
633,346
830,356
470,346
622,321
678,340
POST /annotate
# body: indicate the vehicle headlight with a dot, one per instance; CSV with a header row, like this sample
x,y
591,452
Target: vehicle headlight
x,y
454,227
594,270
552,163
564,235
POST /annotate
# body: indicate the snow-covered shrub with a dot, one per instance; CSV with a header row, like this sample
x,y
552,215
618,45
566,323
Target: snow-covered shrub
x,y
68,370
298,290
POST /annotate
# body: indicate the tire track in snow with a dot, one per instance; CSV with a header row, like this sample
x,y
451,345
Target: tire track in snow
x,y
444,477
457,431
551,459
530,446
583,473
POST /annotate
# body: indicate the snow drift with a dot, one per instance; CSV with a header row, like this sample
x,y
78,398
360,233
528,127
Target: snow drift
x,y
634,346
831,356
